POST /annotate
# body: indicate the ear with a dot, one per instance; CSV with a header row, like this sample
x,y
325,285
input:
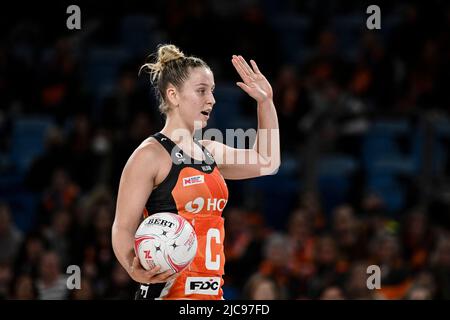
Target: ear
x,y
172,95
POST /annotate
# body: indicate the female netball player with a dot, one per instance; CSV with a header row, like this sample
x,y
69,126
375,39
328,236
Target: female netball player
x,y
171,171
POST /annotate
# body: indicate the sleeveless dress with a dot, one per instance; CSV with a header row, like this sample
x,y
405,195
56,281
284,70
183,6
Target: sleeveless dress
x,y
197,191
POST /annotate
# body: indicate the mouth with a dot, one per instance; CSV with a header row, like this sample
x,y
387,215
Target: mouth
x,y
206,112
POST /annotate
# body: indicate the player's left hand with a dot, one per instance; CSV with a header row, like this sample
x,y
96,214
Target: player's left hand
x,y
254,82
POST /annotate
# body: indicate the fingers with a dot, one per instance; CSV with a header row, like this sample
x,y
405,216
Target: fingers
x,y
164,276
255,66
150,276
239,68
246,72
135,265
172,277
152,272
246,67
243,86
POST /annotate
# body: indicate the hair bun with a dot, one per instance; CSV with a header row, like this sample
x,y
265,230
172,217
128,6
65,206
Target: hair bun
x,y
167,53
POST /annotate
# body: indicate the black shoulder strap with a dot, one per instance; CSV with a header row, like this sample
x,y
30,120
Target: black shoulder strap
x,y
208,156
174,151
168,144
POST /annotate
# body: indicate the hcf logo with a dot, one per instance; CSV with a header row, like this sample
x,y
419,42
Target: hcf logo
x,y
212,204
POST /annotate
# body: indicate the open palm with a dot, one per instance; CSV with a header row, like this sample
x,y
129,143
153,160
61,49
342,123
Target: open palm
x,y
254,82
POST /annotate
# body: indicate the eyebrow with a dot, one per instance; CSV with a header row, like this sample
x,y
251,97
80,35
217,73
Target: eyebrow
x,y
205,84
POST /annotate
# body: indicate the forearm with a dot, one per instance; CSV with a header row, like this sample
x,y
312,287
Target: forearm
x,y
267,143
123,246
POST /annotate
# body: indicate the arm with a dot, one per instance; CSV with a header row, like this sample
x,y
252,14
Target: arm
x,y
264,157
135,187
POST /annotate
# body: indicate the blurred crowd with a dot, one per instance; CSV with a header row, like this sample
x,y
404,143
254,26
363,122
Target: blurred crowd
x,y
328,92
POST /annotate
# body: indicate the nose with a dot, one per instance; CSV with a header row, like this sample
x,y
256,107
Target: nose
x,y
211,99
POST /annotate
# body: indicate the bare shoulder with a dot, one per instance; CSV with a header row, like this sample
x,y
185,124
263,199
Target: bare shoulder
x,y
148,152
153,159
149,149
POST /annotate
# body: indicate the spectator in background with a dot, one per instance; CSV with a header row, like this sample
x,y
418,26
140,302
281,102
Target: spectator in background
x,y
373,79
30,254
62,194
80,144
6,275
99,257
59,82
423,287
51,283
332,293
89,267
329,268
386,253
10,237
417,239
301,241
418,293
291,101
278,264
242,247
373,214
259,287
58,234
54,156
24,288
139,129
127,100
347,232
310,202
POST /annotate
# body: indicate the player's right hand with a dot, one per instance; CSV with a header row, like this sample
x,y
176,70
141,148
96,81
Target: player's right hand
x,y
140,275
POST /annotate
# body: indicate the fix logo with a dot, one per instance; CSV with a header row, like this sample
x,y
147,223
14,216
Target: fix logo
x,y
147,254
212,204
190,181
202,285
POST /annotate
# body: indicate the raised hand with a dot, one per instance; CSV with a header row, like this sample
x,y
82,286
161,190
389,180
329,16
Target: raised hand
x,y
254,82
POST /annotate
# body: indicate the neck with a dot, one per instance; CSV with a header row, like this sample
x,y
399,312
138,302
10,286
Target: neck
x,y
177,130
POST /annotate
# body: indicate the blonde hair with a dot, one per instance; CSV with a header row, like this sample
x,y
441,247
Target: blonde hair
x,y
171,67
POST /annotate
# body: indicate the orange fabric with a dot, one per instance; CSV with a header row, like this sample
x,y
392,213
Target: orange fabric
x,y
200,198
202,205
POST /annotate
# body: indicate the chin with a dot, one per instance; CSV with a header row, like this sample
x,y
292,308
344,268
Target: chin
x,y
204,122
200,124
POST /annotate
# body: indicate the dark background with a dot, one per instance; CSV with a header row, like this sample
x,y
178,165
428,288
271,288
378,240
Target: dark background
x,y
364,120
